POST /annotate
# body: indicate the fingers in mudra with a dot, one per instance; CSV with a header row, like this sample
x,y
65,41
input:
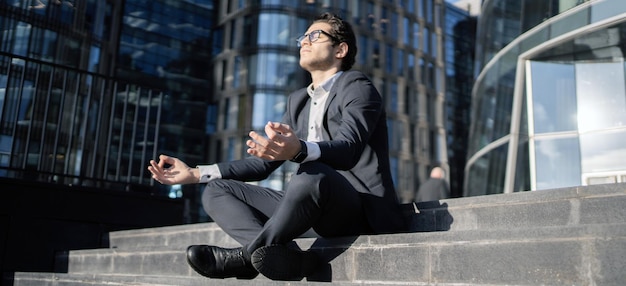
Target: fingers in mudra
x,y
266,150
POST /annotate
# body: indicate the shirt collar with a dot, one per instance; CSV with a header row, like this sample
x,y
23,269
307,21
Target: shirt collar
x,y
325,86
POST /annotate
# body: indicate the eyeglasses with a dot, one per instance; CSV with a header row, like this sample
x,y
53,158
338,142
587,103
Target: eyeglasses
x,y
314,36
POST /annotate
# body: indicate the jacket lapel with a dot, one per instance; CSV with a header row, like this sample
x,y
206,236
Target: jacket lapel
x,y
300,116
331,98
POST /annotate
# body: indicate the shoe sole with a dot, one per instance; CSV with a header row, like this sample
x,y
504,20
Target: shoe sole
x,y
277,262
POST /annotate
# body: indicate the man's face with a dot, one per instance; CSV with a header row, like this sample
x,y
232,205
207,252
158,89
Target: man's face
x,y
319,54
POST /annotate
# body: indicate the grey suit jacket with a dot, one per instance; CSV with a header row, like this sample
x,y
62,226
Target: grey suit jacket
x,y
355,143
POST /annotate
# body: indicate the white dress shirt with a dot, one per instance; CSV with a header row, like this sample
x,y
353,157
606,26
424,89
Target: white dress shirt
x,y
317,109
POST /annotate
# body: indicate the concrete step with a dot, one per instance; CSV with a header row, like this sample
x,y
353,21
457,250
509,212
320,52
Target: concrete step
x,y
63,279
171,237
569,255
562,207
571,236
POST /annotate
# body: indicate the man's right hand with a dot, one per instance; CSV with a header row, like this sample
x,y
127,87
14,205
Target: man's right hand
x,y
177,171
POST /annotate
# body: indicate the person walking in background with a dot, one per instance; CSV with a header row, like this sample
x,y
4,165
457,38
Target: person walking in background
x,y
435,188
335,129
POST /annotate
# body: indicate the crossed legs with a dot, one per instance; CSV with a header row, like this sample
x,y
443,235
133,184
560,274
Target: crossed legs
x,y
317,196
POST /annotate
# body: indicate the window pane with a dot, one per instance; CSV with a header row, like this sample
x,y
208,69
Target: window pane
x,y
557,163
273,70
602,152
280,29
601,95
267,107
553,97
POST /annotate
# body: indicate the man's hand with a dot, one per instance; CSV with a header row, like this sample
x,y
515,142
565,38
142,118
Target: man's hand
x,y
280,144
177,173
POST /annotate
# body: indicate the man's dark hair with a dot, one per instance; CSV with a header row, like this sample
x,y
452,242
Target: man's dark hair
x,y
342,31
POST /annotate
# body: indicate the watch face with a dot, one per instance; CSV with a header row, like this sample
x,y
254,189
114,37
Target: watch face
x,y
300,157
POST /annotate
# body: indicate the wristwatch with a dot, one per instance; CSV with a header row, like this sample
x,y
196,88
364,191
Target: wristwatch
x,y
302,154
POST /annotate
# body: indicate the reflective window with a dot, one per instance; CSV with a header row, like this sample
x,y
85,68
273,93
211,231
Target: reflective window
x,y
275,70
230,149
363,50
406,28
384,21
486,175
426,39
168,40
98,18
605,9
416,35
553,97
274,29
603,151
429,11
393,24
409,5
250,30
21,35
389,58
231,113
393,98
601,95
483,124
557,163
211,119
288,3
267,107
238,71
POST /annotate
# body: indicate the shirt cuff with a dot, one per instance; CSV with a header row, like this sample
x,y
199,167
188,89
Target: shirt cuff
x,y
313,151
209,172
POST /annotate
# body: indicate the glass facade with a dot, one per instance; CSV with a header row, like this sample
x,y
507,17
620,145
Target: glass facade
x,y
91,90
460,40
550,99
167,46
55,93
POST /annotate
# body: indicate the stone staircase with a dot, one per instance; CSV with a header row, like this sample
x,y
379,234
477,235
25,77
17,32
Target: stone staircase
x,y
570,236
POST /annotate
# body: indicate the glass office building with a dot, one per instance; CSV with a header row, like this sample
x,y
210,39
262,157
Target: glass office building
x,y
549,103
460,40
91,90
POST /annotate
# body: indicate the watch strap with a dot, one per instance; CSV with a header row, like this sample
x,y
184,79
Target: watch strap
x,y
302,155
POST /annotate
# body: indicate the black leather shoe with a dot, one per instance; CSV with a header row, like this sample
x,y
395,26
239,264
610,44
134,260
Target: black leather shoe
x,y
279,262
217,262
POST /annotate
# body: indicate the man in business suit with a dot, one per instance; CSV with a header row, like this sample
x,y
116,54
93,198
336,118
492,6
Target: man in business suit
x,y
336,130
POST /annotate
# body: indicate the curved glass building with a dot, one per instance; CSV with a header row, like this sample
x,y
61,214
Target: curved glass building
x,y
549,102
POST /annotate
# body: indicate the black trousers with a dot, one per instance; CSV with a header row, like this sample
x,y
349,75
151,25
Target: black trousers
x,y
317,197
